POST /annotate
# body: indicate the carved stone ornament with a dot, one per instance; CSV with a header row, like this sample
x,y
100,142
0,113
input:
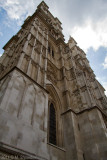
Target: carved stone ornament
x,y
27,57
37,21
41,27
76,92
33,63
37,46
103,102
92,78
10,52
84,88
51,73
49,21
78,72
1,67
67,50
72,73
77,57
52,32
77,100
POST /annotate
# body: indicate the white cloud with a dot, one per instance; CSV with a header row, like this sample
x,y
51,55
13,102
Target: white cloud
x,y
19,8
0,54
86,21
105,63
91,35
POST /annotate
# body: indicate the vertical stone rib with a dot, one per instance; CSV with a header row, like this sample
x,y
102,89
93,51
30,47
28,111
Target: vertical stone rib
x,y
29,66
46,60
65,81
21,101
39,64
33,111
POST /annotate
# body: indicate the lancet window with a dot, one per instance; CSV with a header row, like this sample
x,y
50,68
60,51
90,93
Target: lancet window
x,y
52,124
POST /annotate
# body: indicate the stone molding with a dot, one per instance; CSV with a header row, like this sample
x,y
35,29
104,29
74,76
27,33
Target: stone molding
x,y
85,110
15,68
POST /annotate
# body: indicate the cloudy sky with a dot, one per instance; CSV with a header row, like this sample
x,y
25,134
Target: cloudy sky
x,y
84,20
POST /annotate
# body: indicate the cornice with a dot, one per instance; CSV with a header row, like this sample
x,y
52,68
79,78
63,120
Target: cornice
x,y
15,68
12,39
85,110
15,151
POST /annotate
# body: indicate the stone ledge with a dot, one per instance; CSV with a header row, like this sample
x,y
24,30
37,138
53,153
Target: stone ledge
x,y
11,150
87,109
62,149
15,68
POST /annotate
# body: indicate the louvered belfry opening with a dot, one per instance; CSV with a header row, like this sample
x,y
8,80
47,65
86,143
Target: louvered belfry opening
x,y
52,125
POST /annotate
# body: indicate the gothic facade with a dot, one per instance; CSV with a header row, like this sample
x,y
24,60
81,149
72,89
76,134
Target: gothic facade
x,y
51,105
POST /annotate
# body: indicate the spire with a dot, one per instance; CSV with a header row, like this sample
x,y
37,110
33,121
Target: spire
x,y
43,6
71,42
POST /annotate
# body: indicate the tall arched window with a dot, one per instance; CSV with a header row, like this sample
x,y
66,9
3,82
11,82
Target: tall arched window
x,y
52,124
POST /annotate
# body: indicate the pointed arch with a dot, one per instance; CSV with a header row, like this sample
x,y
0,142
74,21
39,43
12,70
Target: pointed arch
x,y
52,91
55,134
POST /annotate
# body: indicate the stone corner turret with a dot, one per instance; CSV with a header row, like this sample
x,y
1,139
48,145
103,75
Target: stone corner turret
x,y
71,42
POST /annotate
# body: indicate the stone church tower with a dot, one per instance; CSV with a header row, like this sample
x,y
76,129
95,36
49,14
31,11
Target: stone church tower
x,y
51,105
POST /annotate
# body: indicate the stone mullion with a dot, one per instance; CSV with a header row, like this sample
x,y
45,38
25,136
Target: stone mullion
x,y
20,60
80,91
26,43
39,64
102,95
34,109
21,102
24,50
88,91
29,66
34,42
74,69
46,60
91,99
23,53
19,55
65,80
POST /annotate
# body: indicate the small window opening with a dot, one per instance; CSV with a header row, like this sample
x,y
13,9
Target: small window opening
x,y
52,125
52,53
48,49
83,156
